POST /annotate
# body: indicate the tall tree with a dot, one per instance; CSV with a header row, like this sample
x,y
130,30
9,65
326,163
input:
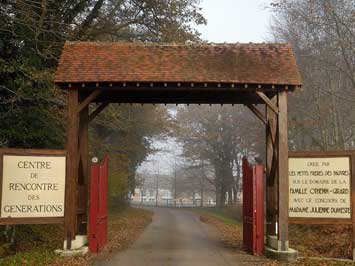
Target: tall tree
x,y
126,134
219,136
32,110
322,117
32,34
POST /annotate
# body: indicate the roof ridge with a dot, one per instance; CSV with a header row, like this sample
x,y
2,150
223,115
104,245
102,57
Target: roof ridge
x,y
173,44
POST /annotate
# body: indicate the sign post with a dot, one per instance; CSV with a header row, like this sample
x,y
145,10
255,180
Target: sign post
x,y
32,186
322,188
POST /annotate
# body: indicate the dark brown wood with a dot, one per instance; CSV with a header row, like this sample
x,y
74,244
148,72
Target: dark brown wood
x,y
70,226
1,175
282,169
83,171
28,152
89,99
268,102
271,184
182,86
257,113
97,111
352,169
320,154
36,152
292,220
178,97
42,220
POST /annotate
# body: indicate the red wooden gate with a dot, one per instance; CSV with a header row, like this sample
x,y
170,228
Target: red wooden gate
x,y
253,207
98,205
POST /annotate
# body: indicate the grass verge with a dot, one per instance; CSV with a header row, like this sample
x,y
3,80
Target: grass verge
x,y
36,243
230,230
310,241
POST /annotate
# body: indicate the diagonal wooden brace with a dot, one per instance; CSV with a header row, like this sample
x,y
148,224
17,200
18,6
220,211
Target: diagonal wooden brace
x,y
89,99
258,114
97,111
268,102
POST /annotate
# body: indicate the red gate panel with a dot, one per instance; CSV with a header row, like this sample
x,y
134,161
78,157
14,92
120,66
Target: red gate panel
x,y
98,205
253,207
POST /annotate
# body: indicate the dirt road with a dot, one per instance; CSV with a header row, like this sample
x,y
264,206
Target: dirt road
x,y
178,238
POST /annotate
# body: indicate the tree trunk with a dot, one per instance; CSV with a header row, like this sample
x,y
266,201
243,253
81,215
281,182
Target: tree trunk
x,y
201,193
230,195
219,198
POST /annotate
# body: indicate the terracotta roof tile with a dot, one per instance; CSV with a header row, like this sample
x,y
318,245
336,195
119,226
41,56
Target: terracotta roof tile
x,y
224,63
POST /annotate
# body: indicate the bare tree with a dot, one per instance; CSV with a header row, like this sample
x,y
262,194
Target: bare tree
x,y
322,117
219,136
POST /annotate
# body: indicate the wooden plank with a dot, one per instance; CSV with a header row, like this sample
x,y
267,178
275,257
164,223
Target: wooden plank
x,y
268,102
320,154
85,103
283,170
292,220
352,169
180,99
1,175
83,171
257,113
97,111
42,220
72,166
183,86
36,152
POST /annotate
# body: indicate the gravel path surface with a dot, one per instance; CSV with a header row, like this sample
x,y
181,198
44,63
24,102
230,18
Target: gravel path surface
x,y
179,238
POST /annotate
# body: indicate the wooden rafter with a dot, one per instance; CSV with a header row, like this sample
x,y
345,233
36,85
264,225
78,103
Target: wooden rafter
x,y
257,112
268,102
89,99
97,111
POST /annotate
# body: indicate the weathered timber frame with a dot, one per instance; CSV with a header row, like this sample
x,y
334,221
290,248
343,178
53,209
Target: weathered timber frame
x,y
133,73
29,152
80,95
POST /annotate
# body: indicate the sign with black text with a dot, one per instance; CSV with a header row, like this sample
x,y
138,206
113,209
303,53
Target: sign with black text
x,y
33,185
320,187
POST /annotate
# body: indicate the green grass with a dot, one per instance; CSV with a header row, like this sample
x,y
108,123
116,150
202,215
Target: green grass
x,y
38,258
220,215
35,245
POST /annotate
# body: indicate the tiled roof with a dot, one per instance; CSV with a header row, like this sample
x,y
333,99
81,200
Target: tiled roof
x,y
225,63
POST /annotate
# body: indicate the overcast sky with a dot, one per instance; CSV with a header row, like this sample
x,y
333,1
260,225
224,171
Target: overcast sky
x,y
235,20
227,21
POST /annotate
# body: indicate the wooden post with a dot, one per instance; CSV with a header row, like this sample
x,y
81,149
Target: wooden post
x,y
352,196
282,169
83,172
72,167
271,184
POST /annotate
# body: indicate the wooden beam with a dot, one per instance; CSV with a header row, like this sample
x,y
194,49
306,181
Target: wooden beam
x,y
257,113
268,102
98,110
89,99
282,170
271,185
352,167
72,167
83,172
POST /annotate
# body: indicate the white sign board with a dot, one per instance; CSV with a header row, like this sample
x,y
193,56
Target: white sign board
x,y
319,187
33,186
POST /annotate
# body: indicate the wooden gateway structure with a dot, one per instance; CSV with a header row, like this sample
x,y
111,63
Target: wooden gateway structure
x,y
249,74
